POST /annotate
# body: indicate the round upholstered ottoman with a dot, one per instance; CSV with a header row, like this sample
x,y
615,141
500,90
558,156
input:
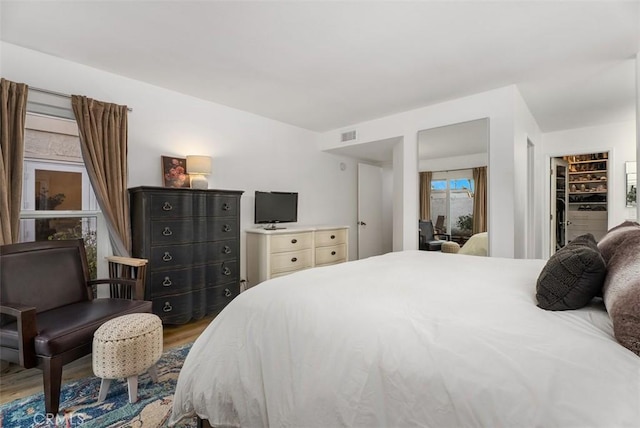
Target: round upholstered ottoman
x,y
125,347
450,247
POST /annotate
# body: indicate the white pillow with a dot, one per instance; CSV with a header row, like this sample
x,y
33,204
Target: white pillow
x,y
476,245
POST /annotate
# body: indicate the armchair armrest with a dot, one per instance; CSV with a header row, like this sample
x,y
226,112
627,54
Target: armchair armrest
x,y
446,236
128,267
27,330
134,285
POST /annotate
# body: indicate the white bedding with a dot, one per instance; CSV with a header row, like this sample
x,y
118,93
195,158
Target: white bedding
x,y
412,338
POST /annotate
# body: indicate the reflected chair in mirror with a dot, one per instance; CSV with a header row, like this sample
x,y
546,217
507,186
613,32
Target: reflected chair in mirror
x,y
428,240
439,226
48,312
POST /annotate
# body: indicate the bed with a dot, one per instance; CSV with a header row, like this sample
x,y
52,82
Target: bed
x,y
409,338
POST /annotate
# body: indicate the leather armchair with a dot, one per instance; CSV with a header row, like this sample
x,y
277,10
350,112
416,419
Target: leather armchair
x,y
48,312
428,240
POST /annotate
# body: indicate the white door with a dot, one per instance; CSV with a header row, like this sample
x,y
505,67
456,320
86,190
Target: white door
x,y
559,203
370,227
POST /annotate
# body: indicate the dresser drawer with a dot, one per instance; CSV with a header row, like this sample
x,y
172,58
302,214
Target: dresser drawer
x,y
174,256
193,230
330,255
173,281
171,205
331,237
171,231
219,296
174,308
192,278
222,206
295,260
290,242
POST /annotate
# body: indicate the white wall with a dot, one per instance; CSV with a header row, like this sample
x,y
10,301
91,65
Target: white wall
x,y
619,139
497,105
249,152
387,207
525,129
454,162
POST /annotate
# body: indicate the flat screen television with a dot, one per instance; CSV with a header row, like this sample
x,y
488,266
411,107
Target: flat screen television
x,y
276,207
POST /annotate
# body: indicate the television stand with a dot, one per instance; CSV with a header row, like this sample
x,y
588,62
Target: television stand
x,y
273,227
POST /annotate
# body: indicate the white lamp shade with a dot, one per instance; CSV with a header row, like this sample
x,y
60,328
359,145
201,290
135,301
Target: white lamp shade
x,y
199,165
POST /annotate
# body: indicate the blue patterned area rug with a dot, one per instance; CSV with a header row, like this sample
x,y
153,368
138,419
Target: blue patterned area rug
x,y
79,407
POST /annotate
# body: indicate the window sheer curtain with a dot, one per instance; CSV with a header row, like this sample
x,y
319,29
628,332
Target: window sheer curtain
x,y
13,111
425,195
103,140
480,200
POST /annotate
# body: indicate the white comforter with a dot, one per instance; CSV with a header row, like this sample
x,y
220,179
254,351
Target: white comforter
x,y
409,339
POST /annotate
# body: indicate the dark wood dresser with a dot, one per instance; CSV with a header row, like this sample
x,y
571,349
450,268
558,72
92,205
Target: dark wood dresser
x,y
192,241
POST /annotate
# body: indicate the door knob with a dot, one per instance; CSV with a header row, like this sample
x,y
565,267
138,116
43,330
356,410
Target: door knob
x,y
362,223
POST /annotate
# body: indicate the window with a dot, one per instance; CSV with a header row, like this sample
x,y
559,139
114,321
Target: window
x,y
452,201
57,199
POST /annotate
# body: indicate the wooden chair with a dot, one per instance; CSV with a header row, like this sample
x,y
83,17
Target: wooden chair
x,y
130,268
48,312
439,226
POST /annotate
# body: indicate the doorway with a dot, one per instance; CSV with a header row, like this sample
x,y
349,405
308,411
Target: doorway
x,y
370,211
579,197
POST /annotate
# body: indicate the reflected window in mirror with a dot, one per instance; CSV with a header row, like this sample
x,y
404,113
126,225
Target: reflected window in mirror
x,y
631,184
451,203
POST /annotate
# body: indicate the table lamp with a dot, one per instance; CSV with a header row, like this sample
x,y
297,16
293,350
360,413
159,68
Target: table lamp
x,y
197,168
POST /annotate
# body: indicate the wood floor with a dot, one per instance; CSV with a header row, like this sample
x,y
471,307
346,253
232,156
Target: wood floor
x,y
16,382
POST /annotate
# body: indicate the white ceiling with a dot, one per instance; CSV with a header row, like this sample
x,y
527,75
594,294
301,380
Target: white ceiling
x,y
326,65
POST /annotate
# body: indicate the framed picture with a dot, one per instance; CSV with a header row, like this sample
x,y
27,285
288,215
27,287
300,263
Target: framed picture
x,y
174,172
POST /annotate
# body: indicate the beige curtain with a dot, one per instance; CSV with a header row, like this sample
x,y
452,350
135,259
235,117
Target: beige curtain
x,y
425,195
480,200
103,139
13,111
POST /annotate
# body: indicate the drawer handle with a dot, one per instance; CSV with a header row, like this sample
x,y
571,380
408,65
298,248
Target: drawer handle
x,y
226,271
294,259
167,231
226,207
227,292
167,282
333,253
167,257
167,307
333,236
226,249
293,241
167,207
226,228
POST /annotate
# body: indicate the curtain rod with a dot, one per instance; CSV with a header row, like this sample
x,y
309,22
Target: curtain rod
x,y
58,94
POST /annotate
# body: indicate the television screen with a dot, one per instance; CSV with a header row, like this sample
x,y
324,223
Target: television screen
x,y
276,207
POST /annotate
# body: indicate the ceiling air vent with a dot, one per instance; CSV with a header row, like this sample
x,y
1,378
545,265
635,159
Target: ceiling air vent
x,y
348,136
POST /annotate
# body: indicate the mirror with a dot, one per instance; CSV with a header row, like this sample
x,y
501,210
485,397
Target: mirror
x,y
452,163
632,184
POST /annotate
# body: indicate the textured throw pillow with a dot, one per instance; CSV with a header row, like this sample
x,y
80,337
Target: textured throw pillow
x,y
622,292
615,236
572,277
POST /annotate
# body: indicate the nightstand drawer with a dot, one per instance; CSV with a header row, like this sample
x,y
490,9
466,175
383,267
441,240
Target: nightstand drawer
x,y
331,237
330,255
285,262
290,242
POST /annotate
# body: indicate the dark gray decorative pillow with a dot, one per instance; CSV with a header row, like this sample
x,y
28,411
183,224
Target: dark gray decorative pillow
x,y
614,237
572,277
622,292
